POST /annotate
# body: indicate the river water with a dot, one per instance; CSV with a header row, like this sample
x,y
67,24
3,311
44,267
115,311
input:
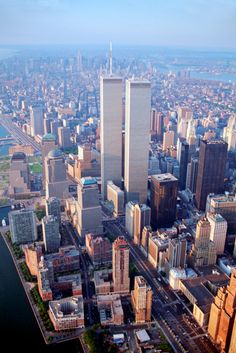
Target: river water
x,y
19,331
4,149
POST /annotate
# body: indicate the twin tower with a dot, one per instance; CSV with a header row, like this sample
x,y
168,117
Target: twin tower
x,y
136,147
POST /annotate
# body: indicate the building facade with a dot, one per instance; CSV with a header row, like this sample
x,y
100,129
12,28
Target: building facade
x,y
23,226
137,113
55,175
36,120
99,249
88,207
222,315
218,231
51,235
111,130
211,170
19,177
120,266
164,189
141,299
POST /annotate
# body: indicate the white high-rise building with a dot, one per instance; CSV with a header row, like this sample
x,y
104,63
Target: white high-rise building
x,y
36,121
137,116
168,139
218,231
111,130
229,133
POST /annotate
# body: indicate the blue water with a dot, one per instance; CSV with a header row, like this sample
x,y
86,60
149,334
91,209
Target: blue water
x,y
224,77
18,327
4,214
4,149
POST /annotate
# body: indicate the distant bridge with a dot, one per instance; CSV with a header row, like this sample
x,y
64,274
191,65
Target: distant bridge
x,y
7,139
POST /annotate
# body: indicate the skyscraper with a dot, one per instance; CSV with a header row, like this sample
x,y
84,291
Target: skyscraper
x,y
23,226
163,200
225,205
141,298
138,105
211,170
116,196
54,128
36,120
88,208
53,208
64,137
177,252
184,117
193,174
232,348
156,124
222,316
218,231
111,130
168,140
129,217
19,177
51,235
47,125
182,157
203,251
55,175
48,144
229,134
146,233
120,265
137,216
142,218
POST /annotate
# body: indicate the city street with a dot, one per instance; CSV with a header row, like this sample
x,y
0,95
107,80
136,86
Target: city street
x,y
168,309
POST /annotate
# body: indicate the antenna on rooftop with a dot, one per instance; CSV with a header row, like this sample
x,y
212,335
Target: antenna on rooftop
x,y
110,58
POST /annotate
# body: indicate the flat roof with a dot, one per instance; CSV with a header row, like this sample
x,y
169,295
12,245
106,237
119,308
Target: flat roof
x,y
142,336
164,177
197,287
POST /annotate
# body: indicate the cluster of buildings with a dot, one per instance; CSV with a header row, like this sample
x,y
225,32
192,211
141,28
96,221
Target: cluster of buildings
x,y
164,167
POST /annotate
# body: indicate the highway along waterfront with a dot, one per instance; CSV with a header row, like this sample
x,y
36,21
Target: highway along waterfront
x,y
18,327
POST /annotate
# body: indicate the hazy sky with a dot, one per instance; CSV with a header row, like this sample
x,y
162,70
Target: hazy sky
x,y
200,23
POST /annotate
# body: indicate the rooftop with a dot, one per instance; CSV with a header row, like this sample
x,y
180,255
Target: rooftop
x,y
140,280
120,242
164,177
49,137
198,287
67,307
216,216
88,181
17,156
55,153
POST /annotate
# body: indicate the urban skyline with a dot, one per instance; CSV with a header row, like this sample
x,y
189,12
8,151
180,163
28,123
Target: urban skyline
x,y
118,176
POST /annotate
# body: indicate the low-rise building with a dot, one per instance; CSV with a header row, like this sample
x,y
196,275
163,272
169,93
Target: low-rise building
x,y
199,292
67,313
175,275
99,249
33,253
110,309
103,281
67,259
